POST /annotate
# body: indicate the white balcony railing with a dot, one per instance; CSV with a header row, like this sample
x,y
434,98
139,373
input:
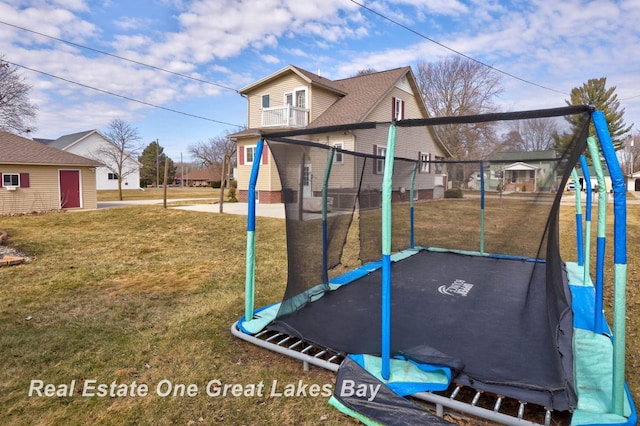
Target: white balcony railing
x,y
287,116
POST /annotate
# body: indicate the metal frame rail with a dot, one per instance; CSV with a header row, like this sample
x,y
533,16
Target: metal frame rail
x,y
452,399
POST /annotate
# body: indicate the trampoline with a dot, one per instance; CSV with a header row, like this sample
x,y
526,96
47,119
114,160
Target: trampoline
x,y
473,291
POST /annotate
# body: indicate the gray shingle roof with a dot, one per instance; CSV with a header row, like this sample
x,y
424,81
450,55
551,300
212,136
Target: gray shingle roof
x,y
15,149
362,94
64,141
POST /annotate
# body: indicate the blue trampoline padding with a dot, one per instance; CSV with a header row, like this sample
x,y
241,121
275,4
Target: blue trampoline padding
x,y
367,268
360,272
584,308
583,299
406,377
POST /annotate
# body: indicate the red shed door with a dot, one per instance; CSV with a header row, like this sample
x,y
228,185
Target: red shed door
x,y
69,189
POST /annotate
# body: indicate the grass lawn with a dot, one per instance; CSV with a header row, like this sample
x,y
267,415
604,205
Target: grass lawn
x,y
148,294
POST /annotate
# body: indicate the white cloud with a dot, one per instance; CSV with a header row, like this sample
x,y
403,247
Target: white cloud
x,y
270,59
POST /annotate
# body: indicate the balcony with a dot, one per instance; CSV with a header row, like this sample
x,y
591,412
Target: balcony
x,y
287,116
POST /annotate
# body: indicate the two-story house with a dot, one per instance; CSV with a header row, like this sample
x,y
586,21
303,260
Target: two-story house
x,y
293,98
93,144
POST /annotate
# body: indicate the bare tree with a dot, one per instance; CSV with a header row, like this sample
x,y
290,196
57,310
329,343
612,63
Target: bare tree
x,y
120,156
536,134
630,154
213,152
455,87
365,71
17,114
219,153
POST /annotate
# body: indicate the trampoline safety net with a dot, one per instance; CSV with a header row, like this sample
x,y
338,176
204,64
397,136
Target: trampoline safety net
x,y
482,281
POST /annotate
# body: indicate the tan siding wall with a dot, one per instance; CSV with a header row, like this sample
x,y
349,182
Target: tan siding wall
x,y
409,143
383,111
321,99
342,174
276,90
43,193
268,179
88,188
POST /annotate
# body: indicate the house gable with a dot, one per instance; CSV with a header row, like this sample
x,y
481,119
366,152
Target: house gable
x,y
88,144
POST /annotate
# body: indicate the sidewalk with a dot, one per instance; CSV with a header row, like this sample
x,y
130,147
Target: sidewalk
x,y
263,210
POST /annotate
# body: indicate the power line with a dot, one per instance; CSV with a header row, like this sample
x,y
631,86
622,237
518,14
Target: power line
x,y
121,57
122,96
455,51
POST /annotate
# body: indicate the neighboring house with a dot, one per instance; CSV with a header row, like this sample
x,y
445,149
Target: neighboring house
x,y
198,177
89,144
293,98
36,177
526,171
633,182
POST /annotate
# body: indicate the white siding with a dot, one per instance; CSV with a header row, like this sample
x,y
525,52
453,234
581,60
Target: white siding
x,y
89,148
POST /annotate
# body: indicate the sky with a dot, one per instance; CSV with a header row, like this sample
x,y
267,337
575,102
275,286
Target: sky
x,y
70,52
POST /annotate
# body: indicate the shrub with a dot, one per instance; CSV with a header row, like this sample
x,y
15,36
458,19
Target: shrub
x,y
453,193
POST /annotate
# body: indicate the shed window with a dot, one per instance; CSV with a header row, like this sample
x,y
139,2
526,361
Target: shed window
x,y
10,179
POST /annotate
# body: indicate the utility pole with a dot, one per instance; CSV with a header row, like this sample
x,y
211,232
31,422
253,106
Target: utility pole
x,y
157,165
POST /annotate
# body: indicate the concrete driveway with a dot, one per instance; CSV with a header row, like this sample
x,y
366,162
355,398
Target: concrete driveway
x,y
263,210
200,205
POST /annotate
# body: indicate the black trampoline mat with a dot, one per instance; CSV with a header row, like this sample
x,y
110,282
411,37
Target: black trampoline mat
x,y
490,313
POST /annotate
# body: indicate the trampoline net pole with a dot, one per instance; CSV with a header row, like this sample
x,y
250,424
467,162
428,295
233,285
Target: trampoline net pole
x,y
619,259
412,243
481,207
579,248
325,243
588,207
594,153
387,192
249,285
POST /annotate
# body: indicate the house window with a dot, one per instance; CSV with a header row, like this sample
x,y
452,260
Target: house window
x,y
112,176
425,165
301,98
265,101
296,98
338,157
381,152
10,179
249,152
397,109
